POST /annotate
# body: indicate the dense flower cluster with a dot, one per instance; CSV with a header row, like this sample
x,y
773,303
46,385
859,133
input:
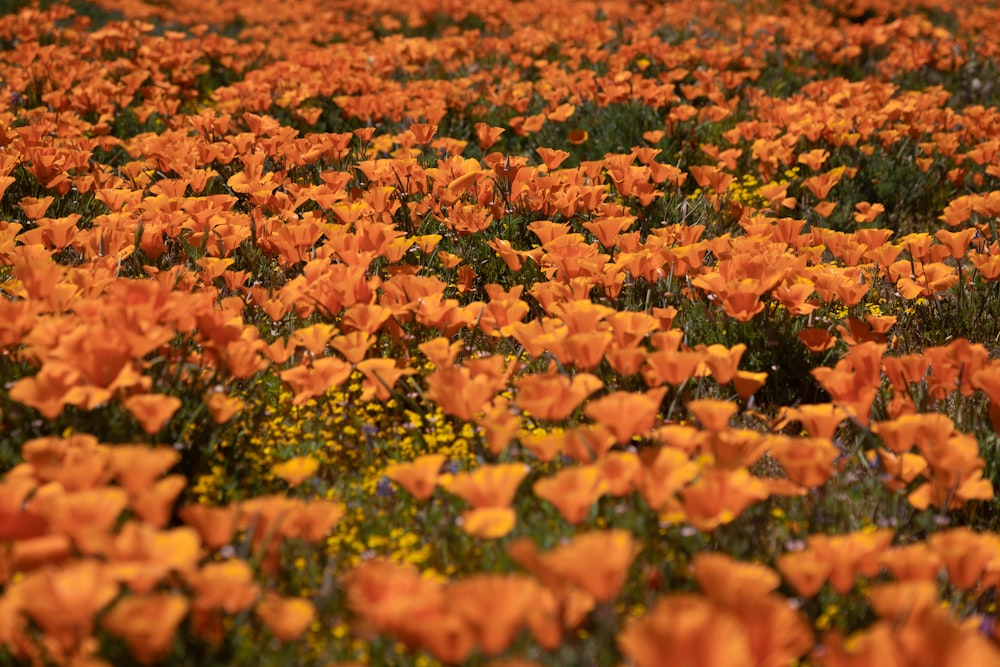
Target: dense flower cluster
x,y
501,333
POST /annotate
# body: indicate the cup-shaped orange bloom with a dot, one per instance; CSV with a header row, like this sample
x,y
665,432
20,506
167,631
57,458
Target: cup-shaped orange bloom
x,y
296,469
851,555
665,475
820,421
805,570
746,383
489,522
670,366
137,467
965,554
587,442
817,339
626,414
287,618
147,624
228,586
152,411
486,486
419,477
494,606
713,415
65,602
776,632
718,496
553,396
311,381
807,461
723,361
913,562
155,504
215,525
691,631
598,562
572,490
730,582
621,472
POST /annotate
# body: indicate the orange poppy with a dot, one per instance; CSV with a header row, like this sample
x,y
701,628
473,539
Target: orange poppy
x,y
691,630
572,490
494,606
296,469
664,476
712,414
215,525
136,467
419,477
228,586
147,624
809,462
719,496
598,561
287,618
486,486
641,411
965,555
913,562
488,522
553,396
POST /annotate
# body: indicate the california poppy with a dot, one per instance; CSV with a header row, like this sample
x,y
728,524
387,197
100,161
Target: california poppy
x,y
418,477
572,490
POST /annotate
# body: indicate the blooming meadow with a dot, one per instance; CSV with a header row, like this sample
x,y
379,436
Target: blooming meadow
x,y
499,333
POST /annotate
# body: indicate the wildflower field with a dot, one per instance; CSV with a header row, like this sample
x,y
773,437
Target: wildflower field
x,y
454,332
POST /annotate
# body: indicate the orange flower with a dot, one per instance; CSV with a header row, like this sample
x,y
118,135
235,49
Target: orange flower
x,y
805,570
215,525
152,410
553,396
380,377
228,585
137,467
598,562
486,486
965,555
311,381
287,618
670,366
777,634
64,602
819,421
487,135
296,470
730,582
494,606
155,504
572,490
807,461
851,555
147,624
418,477
747,383
691,631
621,472
718,496
488,522
713,415
626,414
817,339
913,562
664,476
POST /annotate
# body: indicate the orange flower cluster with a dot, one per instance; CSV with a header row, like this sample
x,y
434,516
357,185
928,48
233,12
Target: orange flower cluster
x,y
423,206
87,544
